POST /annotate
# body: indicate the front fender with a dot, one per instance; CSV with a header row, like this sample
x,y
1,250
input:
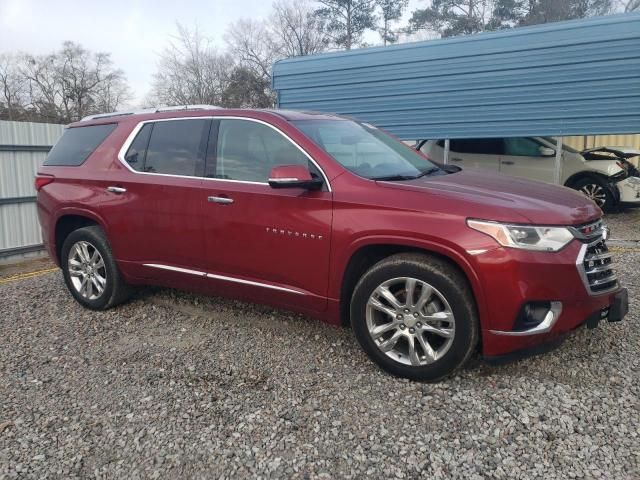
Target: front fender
x,y
453,254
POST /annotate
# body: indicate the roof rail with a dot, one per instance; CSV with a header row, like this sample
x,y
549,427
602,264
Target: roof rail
x,y
187,107
150,110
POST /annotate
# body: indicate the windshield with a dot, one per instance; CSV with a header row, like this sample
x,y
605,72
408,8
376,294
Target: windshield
x,y
365,150
566,147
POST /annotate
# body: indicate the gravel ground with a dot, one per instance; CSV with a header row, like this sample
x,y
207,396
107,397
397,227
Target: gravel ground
x,y
177,385
624,225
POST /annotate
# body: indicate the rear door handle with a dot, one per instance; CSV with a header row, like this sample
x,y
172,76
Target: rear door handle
x,y
117,190
456,159
220,200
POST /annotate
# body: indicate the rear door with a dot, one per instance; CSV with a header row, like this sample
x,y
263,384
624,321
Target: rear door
x,y
265,244
523,157
476,152
155,203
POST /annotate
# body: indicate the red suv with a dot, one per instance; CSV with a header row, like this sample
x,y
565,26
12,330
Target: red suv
x,y
330,217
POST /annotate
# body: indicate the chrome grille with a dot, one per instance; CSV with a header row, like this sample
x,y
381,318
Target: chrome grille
x,y
595,264
590,231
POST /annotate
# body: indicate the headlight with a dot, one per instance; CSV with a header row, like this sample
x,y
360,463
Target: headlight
x,y
527,237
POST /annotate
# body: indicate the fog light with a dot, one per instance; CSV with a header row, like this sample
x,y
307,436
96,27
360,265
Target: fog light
x,y
531,315
534,318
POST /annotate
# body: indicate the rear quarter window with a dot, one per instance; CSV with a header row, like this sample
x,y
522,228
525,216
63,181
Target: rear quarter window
x,y
76,144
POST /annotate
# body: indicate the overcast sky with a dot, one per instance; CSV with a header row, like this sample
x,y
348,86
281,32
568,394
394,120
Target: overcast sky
x,y
133,31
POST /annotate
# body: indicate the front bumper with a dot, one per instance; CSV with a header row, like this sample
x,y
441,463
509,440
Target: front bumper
x,y
614,313
514,277
629,189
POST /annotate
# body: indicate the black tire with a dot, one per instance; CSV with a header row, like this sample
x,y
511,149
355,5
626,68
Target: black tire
x,y
596,189
449,282
115,290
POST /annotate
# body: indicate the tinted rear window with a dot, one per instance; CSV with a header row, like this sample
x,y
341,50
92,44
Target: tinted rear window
x,y
77,144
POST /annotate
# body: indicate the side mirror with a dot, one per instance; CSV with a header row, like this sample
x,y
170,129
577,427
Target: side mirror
x,y
547,151
293,176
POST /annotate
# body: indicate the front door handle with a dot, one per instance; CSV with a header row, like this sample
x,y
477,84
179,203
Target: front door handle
x,y
220,200
507,162
117,190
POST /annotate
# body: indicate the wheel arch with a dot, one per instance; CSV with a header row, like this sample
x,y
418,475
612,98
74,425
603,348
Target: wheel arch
x,y
367,253
69,220
590,174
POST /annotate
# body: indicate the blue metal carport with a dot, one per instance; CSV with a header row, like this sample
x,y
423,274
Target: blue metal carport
x,y
568,78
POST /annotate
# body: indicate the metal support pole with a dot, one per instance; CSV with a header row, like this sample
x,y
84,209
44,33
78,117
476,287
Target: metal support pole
x,y
446,151
558,164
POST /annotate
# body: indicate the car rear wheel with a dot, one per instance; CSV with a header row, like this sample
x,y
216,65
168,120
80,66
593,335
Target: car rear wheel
x,y
414,315
597,190
90,272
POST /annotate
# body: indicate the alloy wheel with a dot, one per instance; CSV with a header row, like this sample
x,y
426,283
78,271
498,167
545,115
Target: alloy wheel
x,y
87,270
595,192
410,321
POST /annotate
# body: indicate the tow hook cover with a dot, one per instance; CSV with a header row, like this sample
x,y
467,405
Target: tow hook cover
x,y
620,306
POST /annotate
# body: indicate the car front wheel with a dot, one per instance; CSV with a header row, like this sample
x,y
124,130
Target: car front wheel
x,y
415,316
597,190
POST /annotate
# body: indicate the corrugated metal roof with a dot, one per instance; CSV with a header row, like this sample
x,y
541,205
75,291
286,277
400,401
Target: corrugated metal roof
x,y
565,78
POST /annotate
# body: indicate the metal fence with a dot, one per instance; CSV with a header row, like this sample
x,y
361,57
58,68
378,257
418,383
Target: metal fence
x,y
23,148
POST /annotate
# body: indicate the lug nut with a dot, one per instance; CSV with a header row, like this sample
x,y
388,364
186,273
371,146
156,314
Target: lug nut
x,y
419,324
402,326
406,310
412,330
415,314
399,316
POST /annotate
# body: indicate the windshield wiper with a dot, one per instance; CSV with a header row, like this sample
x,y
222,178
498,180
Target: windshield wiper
x,y
393,178
398,178
429,171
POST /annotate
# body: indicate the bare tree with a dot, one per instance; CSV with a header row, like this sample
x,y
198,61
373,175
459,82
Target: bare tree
x,y
247,90
295,29
191,71
74,82
252,45
630,5
12,89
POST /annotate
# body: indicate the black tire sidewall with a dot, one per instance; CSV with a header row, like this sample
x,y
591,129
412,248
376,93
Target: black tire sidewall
x,y
457,296
95,237
610,199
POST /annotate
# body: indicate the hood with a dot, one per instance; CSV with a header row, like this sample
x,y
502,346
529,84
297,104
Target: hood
x,y
493,196
609,153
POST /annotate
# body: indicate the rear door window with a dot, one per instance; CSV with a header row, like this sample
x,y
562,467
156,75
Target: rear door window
x,y
77,143
177,147
137,152
482,146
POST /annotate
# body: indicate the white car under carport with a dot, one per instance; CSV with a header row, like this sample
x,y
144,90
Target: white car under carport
x,y
608,178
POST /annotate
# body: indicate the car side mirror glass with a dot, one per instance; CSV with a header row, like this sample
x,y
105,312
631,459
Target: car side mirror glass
x,y
547,151
293,176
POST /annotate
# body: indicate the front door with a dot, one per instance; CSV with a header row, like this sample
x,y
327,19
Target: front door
x,y
264,244
524,157
155,208
481,153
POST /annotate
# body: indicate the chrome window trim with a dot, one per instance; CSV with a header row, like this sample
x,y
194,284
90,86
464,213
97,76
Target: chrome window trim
x,y
223,278
125,146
